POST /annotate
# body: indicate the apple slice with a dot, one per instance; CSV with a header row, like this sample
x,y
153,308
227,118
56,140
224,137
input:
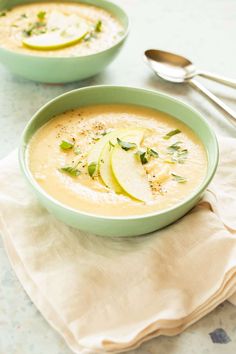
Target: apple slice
x,y
105,170
130,173
57,39
95,153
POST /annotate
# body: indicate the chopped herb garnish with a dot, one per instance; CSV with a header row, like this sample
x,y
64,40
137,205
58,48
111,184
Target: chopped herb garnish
x,y
23,16
171,133
179,179
77,150
71,170
143,156
126,145
38,27
98,26
104,133
35,28
95,139
175,147
3,13
92,168
66,145
41,15
146,155
182,156
152,152
178,153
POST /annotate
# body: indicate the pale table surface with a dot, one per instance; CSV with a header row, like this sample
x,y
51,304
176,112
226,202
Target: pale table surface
x,y
203,30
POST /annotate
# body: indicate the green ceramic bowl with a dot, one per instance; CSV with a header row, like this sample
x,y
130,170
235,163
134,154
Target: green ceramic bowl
x,y
131,225
63,69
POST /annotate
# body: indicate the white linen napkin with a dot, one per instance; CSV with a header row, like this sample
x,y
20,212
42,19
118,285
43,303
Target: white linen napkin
x,y
110,294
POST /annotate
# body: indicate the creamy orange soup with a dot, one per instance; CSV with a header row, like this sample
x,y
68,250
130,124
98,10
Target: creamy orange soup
x,y
97,28
117,159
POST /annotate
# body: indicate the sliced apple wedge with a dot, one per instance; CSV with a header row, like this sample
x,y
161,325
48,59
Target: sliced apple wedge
x,y
130,173
95,153
105,169
57,39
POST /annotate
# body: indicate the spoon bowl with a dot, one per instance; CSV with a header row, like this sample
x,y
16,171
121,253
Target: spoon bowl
x,y
169,66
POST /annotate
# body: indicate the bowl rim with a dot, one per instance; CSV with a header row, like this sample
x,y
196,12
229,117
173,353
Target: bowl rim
x,y
22,156
78,57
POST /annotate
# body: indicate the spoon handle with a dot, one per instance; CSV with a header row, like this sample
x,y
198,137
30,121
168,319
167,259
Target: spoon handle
x,y
218,78
231,115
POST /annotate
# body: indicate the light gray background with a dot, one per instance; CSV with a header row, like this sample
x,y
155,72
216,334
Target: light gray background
x,y
203,30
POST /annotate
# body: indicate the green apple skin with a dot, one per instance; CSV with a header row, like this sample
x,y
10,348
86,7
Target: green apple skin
x,y
105,170
130,174
129,171
31,42
95,152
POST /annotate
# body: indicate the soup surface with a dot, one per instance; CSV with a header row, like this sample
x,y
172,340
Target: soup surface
x,y
58,29
117,159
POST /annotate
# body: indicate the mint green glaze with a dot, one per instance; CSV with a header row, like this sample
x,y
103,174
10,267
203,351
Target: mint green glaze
x,y
120,226
63,69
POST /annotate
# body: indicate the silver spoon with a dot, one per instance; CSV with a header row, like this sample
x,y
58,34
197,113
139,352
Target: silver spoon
x,y
175,68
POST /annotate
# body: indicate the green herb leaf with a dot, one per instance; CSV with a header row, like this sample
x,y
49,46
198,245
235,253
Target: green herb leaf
x,y
77,150
92,168
35,28
66,145
3,13
179,179
175,147
171,133
92,34
23,16
146,155
178,154
27,32
152,152
98,26
71,170
182,156
41,15
126,145
143,157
